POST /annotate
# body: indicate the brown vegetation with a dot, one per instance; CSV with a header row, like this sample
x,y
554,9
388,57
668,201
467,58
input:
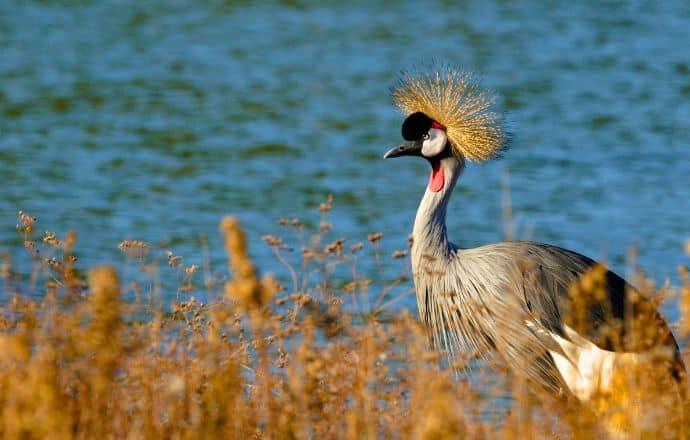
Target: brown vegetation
x,y
311,359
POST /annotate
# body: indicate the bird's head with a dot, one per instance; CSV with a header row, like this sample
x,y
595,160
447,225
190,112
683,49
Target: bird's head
x,y
426,138
449,120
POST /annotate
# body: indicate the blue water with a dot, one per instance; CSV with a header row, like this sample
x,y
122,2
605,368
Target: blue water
x,y
151,120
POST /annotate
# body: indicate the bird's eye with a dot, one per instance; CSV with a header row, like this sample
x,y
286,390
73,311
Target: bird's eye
x,y
425,136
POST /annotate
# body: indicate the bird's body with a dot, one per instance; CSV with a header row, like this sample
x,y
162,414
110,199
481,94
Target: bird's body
x,y
515,298
557,318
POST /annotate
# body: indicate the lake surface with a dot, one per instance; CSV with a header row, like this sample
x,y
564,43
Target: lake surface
x,y
152,120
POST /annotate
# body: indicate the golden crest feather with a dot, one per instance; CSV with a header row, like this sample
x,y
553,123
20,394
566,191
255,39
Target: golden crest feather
x,y
454,99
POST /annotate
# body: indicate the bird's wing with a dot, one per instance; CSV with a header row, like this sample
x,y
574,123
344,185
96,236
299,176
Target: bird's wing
x,y
538,305
562,287
600,322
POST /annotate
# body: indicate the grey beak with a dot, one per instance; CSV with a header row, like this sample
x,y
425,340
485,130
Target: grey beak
x,y
407,148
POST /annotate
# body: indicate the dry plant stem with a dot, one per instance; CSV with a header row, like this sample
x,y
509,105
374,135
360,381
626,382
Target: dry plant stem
x,y
288,266
507,208
385,291
391,302
377,255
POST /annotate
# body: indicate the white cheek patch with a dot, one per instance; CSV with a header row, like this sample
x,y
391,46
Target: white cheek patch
x,y
435,144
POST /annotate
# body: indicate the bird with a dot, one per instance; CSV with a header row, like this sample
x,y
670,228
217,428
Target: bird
x,y
560,320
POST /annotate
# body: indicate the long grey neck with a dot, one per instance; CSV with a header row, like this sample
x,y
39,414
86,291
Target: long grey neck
x,y
429,233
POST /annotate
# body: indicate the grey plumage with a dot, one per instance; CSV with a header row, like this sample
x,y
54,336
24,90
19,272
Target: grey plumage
x,y
511,298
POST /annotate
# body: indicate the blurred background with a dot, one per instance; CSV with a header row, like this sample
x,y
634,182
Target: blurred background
x,y
150,120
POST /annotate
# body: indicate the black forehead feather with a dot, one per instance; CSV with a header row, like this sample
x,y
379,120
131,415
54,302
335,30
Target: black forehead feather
x,y
415,126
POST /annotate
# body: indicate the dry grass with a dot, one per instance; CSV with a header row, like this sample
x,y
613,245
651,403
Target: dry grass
x,y
311,359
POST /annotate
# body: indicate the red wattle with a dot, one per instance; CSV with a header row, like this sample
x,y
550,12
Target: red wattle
x,y
436,179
